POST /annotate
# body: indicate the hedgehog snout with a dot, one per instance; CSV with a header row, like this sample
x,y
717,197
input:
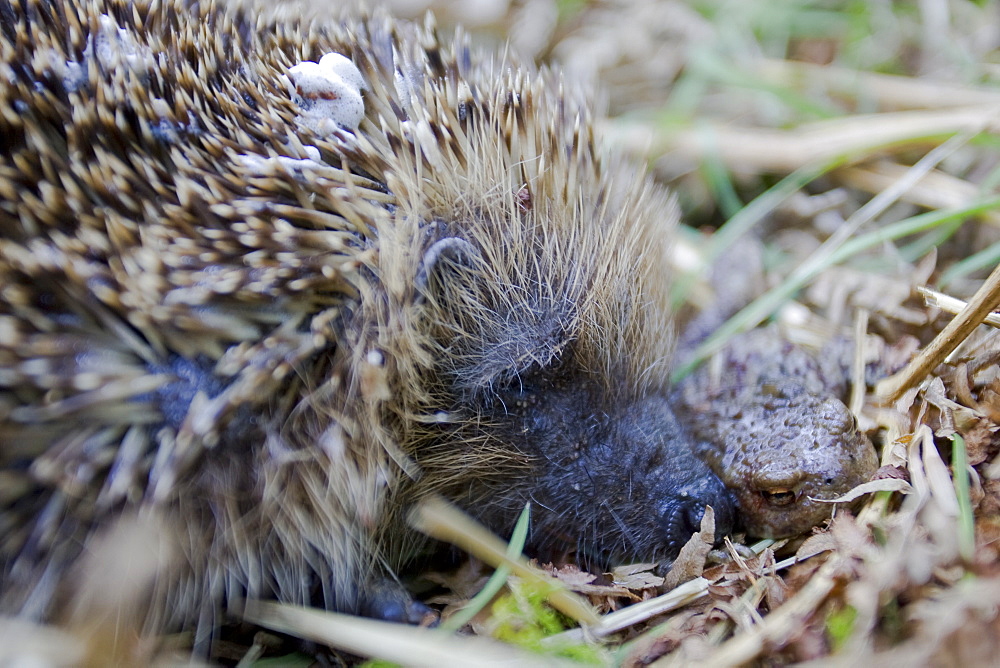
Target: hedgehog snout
x,y
684,484
714,495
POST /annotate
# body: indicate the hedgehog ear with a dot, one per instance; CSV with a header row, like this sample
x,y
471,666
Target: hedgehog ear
x,y
444,255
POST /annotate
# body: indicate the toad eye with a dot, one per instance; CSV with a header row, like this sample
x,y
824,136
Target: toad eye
x,y
779,497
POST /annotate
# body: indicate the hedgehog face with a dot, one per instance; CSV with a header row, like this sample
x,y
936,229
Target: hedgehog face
x,y
606,465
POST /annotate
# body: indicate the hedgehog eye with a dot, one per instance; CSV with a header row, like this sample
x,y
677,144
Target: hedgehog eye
x,y
450,250
516,393
779,497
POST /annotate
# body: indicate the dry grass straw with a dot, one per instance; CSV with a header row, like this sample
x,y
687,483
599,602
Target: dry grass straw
x,y
852,138
953,305
986,300
406,645
888,91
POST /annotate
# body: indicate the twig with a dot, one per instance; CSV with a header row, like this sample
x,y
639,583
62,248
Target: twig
x,y
986,299
953,305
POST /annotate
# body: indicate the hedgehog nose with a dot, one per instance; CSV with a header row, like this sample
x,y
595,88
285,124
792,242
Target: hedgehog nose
x,y
694,511
722,506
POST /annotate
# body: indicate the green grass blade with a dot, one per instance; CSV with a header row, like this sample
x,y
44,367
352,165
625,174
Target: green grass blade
x,y
496,582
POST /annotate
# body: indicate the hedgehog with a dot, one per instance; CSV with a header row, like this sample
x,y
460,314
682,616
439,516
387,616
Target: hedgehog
x,y
265,283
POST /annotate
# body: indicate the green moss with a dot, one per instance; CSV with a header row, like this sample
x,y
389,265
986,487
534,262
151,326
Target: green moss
x,y
840,626
522,618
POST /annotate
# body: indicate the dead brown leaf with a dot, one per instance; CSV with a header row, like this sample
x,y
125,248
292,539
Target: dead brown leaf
x,y
691,561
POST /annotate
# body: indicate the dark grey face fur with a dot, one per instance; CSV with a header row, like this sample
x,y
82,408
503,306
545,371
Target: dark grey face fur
x,y
608,473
